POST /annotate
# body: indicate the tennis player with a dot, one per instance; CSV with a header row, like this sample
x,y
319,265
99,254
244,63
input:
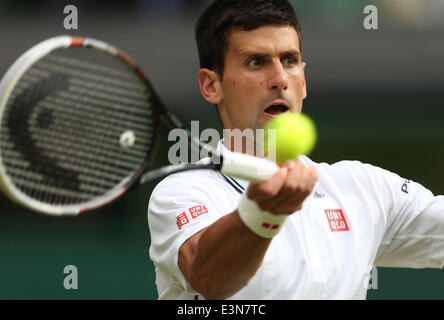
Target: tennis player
x,y
314,230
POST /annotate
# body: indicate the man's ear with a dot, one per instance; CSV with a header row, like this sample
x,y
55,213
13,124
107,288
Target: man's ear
x,y
210,86
304,95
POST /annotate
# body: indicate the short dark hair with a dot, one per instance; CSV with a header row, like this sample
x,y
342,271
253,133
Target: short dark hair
x,y
222,16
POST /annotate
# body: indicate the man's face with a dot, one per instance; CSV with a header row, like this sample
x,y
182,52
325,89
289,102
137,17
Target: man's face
x,y
263,76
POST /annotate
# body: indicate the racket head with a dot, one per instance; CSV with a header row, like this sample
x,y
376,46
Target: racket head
x,y
78,123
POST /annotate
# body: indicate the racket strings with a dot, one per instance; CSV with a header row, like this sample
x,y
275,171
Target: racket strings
x,y
81,106
93,166
102,89
61,137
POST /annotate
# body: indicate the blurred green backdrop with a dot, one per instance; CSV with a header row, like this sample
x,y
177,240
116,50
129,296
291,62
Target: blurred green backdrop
x,y
376,96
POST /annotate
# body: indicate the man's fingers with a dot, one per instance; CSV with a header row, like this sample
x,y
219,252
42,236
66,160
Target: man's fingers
x,y
293,202
286,191
296,188
269,188
290,187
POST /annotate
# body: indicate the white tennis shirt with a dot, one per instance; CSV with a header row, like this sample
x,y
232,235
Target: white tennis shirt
x,y
359,216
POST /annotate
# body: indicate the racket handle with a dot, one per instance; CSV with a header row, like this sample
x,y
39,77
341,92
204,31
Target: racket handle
x,y
247,167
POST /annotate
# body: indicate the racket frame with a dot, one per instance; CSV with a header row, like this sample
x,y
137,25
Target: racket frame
x,y
7,84
236,164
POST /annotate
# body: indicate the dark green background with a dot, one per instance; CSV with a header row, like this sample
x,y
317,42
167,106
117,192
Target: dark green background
x,y
375,97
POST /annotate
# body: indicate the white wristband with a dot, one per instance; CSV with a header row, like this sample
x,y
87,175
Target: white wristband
x,y
263,223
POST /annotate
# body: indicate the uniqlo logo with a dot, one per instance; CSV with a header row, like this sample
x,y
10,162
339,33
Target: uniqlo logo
x,y
336,220
197,211
182,220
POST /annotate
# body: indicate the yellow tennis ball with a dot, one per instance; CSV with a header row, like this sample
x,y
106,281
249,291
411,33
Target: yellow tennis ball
x,y
295,135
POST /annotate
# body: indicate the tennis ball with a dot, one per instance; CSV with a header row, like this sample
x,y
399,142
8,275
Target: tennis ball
x,y
295,135
127,139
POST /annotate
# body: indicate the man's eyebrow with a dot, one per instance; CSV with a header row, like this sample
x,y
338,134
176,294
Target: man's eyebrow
x,y
290,53
259,54
256,54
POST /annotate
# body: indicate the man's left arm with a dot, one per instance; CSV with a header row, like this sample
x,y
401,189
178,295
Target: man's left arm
x,y
414,235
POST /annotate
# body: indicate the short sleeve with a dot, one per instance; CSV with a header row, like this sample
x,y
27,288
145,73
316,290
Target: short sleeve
x,y
179,207
414,228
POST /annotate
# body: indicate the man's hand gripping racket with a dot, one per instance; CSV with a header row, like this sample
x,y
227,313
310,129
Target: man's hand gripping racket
x,y
78,125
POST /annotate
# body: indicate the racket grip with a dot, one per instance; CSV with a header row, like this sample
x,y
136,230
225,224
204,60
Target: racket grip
x,y
247,167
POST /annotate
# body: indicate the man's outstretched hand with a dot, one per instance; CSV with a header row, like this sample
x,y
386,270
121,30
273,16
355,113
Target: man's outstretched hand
x,y
285,192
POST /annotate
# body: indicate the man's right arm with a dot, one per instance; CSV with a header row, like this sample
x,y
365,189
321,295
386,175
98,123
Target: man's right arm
x,y
221,259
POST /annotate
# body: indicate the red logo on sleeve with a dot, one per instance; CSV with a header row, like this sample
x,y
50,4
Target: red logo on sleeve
x,y
182,220
197,211
336,220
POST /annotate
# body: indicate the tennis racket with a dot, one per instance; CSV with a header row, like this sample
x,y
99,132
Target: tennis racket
x,y
78,126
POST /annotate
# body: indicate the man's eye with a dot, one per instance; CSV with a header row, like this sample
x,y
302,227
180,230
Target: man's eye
x,y
254,63
290,61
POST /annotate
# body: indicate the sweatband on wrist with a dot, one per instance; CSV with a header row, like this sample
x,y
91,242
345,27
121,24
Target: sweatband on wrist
x,y
262,223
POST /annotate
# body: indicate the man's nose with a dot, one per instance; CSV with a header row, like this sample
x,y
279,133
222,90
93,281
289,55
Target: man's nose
x,y
278,77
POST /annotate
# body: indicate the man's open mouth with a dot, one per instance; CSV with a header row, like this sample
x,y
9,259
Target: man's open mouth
x,y
276,109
